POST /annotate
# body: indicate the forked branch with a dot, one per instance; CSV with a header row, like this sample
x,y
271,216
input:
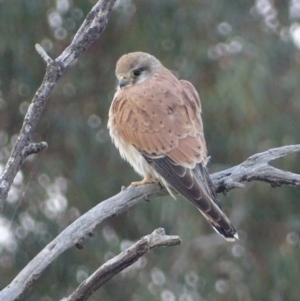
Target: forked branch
x,y
254,168
89,31
117,264
257,168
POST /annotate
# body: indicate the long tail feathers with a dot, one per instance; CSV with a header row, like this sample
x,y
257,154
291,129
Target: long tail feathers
x,y
220,222
195,185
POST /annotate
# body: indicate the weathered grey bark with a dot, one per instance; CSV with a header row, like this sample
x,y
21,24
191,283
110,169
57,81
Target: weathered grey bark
x,y
254,168
89,31
117,264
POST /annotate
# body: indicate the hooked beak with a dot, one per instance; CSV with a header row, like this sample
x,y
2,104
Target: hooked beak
x,y
122,83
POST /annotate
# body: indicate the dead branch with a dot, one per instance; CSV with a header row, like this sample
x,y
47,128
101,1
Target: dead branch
x,y
89,31
115,265
257,168
254,168
75,234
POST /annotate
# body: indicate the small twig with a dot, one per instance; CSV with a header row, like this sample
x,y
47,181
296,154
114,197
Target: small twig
x,y
34,148
46,58
120,262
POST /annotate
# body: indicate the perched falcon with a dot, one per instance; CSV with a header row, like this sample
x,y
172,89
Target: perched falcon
x,y
155,122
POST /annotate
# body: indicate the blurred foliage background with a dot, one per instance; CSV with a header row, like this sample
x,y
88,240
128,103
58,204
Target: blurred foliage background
x,y
244,59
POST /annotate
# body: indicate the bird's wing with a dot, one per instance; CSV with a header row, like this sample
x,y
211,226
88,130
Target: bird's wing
x,y
162,119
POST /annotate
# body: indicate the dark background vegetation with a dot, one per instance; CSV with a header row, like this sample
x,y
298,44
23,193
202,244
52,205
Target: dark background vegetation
x,y
243,58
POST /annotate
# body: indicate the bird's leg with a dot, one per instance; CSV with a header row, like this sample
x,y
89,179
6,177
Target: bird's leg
x,y
147,180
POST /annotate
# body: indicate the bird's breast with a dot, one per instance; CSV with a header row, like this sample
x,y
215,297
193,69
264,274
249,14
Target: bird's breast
x,y
126,149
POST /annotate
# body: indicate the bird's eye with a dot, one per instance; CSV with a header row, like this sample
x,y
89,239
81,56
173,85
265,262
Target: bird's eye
x,y
136,72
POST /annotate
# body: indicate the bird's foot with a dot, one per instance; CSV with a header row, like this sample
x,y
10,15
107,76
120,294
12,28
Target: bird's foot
x,y
146,180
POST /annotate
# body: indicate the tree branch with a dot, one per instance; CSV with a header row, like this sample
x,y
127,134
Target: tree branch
x,y
115,265
89,31
33,148
76,233
41,51
254,168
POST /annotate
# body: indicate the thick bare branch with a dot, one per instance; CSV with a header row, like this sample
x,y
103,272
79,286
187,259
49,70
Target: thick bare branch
x,y
75,233
115,265
90,30
254,168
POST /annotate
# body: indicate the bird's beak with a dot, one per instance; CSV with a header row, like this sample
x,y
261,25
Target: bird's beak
x,y
122,82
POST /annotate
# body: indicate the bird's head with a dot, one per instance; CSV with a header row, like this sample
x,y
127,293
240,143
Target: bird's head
x,y
135,67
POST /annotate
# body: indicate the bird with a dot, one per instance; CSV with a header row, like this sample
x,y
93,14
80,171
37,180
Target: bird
x,y
155,122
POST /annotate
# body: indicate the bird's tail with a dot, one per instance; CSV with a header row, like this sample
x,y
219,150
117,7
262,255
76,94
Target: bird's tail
x,y
215,216
195,185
